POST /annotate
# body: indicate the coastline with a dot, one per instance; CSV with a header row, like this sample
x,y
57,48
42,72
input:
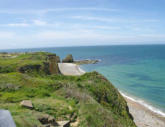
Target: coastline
x,y
144,104
144,117
144,114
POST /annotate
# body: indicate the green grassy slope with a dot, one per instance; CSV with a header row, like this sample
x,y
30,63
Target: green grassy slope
x,y
91,100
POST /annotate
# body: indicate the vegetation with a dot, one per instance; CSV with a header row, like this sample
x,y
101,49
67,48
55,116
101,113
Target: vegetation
x,y
90,99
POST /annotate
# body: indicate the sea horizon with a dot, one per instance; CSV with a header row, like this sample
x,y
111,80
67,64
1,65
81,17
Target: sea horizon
x,y
150,44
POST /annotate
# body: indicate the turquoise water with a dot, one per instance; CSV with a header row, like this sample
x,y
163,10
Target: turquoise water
x,y
138,71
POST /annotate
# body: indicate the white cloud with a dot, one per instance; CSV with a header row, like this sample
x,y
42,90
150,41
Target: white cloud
x,y
84,9
34,23
64,35
43,11
92,36
18,24
73,37
102,19
151,20
123,20
39,23
6,35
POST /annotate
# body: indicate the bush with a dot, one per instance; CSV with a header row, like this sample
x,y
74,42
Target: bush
x,y
29,68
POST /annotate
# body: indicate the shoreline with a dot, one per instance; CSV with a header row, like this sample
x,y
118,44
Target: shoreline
x,y
144,114
144,104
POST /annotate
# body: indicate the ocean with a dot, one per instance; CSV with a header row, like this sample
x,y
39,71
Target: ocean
x,y
137,71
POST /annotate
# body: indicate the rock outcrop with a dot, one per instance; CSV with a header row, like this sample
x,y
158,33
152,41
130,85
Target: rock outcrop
x,y
47,120
27,104
68,59
63,123
80,62
51,66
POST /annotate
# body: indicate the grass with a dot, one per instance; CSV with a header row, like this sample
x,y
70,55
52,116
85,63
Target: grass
x,y
91,99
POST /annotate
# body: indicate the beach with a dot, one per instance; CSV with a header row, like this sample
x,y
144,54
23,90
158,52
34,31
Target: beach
x,y
144,117
70,69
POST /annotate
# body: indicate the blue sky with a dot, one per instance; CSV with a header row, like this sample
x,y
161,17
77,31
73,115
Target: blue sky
x,y
51,23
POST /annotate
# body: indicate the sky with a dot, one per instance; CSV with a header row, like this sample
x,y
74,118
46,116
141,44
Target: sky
x,y
52,23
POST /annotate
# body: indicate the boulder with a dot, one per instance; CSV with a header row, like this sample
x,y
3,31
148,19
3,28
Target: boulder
x,y
63,123
47,120
52,120
44,119
68,59
27,104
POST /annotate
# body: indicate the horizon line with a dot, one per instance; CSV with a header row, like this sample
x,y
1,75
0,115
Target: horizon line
x,y
82,46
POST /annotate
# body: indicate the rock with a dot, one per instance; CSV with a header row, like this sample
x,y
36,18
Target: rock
x,y
44,119
48,125
53,61
27,104
63,123
80,62
68,59
47,120
58,59
51,120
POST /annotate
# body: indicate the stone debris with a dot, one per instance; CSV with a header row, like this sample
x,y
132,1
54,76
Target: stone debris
x,y
48,121
27,104
63,123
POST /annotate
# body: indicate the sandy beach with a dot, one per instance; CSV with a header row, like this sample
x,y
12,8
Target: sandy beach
x,y
143,117
70,69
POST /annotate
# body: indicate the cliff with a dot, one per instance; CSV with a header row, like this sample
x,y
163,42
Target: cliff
x,y
89,100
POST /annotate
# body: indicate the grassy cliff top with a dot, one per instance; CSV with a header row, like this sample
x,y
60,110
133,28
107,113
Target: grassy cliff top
x,y
89,100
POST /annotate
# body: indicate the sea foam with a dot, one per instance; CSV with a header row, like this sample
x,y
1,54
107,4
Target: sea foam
x,y
144,103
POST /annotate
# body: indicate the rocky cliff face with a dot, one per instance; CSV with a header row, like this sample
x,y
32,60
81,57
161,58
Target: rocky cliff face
x,y
53,61
68,59
48,66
